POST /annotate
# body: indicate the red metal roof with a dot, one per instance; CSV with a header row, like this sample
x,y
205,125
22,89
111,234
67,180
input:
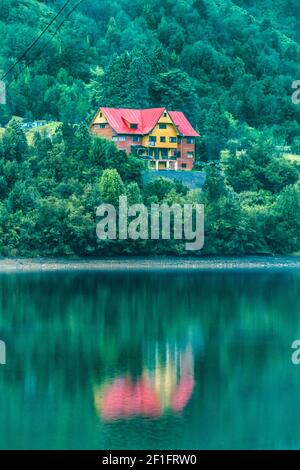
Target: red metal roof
x,y
183,124
146,119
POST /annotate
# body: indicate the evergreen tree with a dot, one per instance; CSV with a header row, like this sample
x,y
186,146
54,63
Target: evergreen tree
x,y
14,142
133,194
216,130
138,84
111,187
115,84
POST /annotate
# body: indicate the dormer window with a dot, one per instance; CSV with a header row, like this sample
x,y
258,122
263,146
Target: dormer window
x,y
133,126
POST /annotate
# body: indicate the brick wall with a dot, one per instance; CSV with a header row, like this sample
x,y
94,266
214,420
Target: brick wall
x,y
126,144
108,133
185,162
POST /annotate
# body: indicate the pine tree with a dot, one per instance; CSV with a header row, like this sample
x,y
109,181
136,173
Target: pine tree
x,y
138,83
14,142
111,187
115,81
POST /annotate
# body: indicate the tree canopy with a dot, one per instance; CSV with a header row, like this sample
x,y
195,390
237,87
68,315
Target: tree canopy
x,y
185,55
228,65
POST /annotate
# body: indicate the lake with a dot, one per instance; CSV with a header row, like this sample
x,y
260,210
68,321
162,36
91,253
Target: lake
x,y
150,360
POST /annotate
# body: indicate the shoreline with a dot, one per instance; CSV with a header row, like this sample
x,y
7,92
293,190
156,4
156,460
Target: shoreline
x,y
9,265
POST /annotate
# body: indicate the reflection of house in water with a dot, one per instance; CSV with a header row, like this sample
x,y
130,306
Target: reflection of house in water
x,y
165,385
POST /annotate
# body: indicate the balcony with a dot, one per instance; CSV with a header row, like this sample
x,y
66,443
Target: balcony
x,y
164,159
147,154
141,151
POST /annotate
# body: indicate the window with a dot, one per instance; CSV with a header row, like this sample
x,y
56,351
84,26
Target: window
x,y
102,126
190,154
152,138
165,114
190,140
173,140
163,126
100,115
133,126
163,139
179,139
114,138
183,165
122,138
136,138
164,152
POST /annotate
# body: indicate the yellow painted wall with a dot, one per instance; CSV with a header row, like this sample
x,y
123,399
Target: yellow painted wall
x,y
170,131
100,120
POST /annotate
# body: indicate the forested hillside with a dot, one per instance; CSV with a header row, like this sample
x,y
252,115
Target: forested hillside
x,y
228,65
184,54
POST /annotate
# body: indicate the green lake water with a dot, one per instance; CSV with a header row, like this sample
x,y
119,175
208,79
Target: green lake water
x,y
150,361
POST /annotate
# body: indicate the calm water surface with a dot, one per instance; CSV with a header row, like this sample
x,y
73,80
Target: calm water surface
x,y
150,361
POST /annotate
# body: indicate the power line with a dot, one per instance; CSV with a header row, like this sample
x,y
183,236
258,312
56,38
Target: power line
x,y
36,40
54,33
47,43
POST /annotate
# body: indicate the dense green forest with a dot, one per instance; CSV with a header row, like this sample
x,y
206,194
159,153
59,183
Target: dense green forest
x,y
228,65
185,54
49,193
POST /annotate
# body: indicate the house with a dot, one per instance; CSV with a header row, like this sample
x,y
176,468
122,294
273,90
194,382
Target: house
x,y
165,138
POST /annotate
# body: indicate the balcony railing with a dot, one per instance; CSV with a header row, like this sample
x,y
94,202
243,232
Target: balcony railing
x,y
157,157
144,152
